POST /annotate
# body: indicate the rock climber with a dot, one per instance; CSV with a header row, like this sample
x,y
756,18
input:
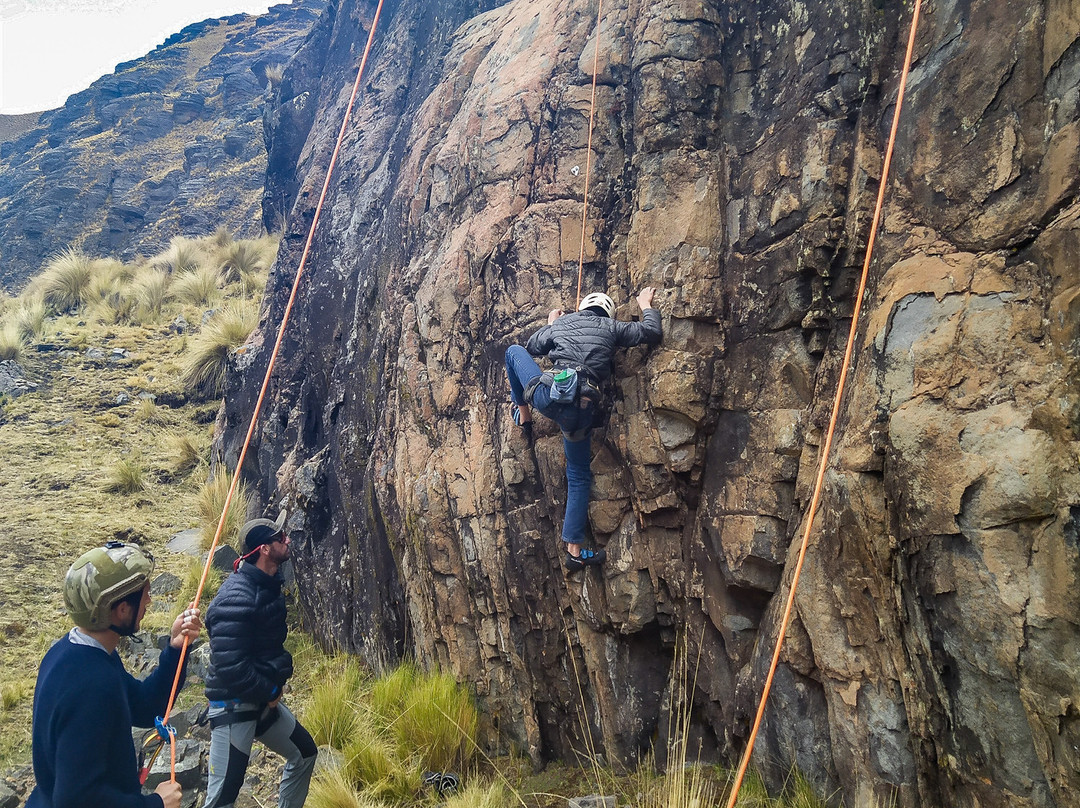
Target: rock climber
x,y
581,347
249,667
85,702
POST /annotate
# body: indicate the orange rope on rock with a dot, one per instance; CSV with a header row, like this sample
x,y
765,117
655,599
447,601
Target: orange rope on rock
x,y
588,153
272,362
827,446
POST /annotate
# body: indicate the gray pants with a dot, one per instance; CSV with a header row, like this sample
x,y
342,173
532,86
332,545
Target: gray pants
x,y
230,750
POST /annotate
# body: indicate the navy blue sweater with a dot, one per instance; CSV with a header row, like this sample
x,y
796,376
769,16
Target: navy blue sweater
x,y
85,705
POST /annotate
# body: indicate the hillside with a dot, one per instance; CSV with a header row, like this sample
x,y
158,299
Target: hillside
x,y
169,143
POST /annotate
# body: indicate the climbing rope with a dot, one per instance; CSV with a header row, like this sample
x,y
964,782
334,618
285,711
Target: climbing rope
x,y
588,153
167,733
819,481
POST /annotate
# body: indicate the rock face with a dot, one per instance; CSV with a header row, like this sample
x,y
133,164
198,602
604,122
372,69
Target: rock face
x,y
169,144
934,653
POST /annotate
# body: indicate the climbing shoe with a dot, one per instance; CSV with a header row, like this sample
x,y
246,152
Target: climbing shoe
x,y
588,558
526,426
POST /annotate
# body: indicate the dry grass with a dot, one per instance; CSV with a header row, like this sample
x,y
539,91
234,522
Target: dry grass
x,y
30,319
197,286
127,476
12,346
211,503
210,351
65,283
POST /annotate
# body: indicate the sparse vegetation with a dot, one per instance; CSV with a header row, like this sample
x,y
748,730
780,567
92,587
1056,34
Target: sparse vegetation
x,y
70,489
186,452
389,730
274,74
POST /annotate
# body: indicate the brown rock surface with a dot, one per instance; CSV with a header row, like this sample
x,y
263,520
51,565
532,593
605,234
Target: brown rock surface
x,y
737,149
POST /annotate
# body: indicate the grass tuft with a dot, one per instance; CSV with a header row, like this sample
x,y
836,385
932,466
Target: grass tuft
x,y
438,722
478,795
239,259
30,319
151,292
332,788
208,356
65,283
333,716
183,255
126,477
211,502
12,346
187,452
197,286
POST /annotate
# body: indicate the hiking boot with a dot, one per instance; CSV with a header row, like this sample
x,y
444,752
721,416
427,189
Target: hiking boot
x,y
588,558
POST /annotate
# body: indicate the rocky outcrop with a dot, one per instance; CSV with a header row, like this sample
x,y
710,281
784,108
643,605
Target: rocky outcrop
x,y
933,657
169,144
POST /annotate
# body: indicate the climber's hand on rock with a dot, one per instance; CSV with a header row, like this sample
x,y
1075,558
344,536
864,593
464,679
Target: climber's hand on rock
x,y
645,296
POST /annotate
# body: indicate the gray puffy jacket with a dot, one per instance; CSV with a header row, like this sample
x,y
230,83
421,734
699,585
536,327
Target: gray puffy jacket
x,y
588,340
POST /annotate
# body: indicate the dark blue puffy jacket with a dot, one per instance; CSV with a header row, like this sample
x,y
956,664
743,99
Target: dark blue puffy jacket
x,y
585,339
246,624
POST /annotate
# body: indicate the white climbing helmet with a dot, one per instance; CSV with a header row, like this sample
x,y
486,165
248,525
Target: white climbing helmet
x,y
598,300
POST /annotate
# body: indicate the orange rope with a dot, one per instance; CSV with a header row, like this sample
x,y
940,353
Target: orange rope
x,y
273,360
588,153
819,482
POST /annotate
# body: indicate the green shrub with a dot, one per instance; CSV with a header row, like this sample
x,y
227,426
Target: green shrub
x,y
30,319
65,283
197,286
12,346
11,693
373,762
208,357
211,502
126,477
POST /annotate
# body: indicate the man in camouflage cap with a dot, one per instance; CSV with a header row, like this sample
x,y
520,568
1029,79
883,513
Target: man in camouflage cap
x,y
85,703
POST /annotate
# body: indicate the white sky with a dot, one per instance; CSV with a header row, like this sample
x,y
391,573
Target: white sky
x,y
52,48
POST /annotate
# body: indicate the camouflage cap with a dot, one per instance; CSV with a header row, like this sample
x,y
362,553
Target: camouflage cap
x,y
100,578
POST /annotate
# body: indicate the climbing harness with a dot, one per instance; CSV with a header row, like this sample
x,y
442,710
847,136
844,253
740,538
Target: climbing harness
x,y
588,152
827,445
171,735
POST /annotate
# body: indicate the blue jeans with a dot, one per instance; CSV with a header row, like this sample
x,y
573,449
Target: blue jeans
x,y
521,369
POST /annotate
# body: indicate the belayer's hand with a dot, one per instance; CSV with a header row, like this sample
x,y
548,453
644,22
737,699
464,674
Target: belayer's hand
x,y
170,793
554,315
645,296
187,624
